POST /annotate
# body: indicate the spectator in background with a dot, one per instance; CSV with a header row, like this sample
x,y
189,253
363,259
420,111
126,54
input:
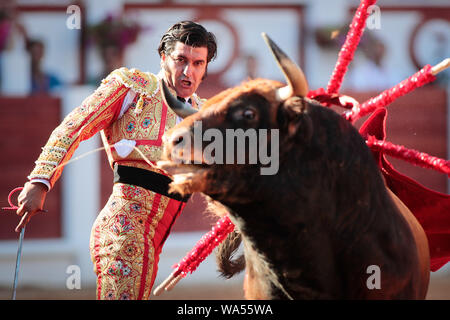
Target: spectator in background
x,y
111,36
369,73
41,81
112,60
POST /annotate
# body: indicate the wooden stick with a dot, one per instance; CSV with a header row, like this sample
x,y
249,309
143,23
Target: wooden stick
x,y
440,66
165,284
173,283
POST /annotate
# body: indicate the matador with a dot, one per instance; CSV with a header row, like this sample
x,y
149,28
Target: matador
x,y
127,109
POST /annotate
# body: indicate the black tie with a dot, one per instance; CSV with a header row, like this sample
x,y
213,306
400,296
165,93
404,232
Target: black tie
x,y
184,100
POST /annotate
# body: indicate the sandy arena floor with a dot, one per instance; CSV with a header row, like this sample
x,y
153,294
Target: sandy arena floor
x,y
439,289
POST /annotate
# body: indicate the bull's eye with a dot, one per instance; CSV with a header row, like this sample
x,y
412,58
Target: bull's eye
x,y
249,114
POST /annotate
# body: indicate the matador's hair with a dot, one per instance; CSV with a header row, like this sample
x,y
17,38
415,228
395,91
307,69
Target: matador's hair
x,y
189,33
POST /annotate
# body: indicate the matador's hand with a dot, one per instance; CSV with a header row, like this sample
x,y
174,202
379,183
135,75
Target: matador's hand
x,y
31,201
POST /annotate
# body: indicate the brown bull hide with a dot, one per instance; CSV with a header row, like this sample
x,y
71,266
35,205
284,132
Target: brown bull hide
x,y
317,228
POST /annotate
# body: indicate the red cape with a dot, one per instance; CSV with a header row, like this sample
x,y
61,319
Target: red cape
x,y
431,208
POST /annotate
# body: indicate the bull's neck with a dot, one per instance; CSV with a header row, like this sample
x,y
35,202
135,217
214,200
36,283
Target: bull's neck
x,y
287,248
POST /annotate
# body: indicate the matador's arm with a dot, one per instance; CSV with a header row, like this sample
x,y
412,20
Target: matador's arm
x,y
95,113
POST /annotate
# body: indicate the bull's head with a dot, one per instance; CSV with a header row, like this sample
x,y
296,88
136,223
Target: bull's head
x,y
277,114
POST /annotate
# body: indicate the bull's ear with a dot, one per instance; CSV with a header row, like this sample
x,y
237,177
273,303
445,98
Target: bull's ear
x,y
294,119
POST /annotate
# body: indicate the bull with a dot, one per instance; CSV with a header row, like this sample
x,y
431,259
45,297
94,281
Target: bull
x,y
325,226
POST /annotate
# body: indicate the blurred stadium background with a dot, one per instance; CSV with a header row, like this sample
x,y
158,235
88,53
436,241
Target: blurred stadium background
x,y
54,53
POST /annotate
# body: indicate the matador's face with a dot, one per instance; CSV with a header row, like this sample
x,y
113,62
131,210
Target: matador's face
x,y
185,68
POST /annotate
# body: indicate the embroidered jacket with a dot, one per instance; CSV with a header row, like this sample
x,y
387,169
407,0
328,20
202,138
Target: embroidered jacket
x,y
127,108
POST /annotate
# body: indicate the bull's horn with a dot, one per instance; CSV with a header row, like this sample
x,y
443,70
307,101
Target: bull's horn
x,y
297,84
182,110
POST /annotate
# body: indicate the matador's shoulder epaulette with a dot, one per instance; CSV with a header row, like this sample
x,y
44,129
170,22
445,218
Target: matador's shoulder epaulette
x,y
144,83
